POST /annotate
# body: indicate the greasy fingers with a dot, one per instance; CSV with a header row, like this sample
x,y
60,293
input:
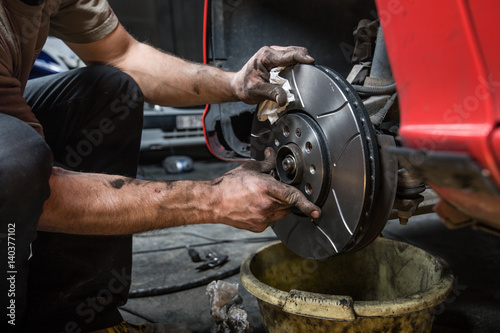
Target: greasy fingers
x,y
265,166
294,198
286,56
251,83
252,199
272,92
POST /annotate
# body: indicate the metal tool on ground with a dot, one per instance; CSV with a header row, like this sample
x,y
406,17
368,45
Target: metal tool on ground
x,y
214,260
193,254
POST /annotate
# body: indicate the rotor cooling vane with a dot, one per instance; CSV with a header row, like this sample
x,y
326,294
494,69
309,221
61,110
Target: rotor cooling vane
x,y
327,148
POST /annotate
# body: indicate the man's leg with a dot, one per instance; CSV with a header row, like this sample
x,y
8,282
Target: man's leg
x,y
25,165
92,119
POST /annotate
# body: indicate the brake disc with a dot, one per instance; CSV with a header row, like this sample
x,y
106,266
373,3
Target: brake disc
x,y
327,148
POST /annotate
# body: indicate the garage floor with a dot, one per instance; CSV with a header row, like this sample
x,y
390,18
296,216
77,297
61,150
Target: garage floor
x,y
162,266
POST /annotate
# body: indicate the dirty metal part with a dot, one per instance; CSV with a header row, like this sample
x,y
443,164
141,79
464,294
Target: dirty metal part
x,y
456,170
426,206
358,73
459,179
364,36
451,217
373,104
406,207
376,82
379,117
327,148
409,185
408,198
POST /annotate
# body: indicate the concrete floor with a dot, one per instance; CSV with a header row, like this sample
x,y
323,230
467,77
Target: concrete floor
x,y
473,306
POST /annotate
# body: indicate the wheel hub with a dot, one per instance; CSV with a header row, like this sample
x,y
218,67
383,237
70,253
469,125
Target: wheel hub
x,y
302,155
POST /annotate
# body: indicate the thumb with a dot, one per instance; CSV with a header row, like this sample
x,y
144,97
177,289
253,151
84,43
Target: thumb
x,y
279,95
295,198
273,92
305,206
308,208
269,162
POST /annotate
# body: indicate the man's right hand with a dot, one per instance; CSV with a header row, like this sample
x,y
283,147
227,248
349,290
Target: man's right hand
x,y
252,199
101,204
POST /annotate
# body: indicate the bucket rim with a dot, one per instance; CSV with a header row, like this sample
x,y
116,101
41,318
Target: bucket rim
x,y
343,307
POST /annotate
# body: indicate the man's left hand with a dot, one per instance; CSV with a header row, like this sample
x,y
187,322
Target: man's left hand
x,y
251,83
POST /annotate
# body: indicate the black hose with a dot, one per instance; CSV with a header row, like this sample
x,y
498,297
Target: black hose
x,y
137,314
221,241
376,90
157,291
246,239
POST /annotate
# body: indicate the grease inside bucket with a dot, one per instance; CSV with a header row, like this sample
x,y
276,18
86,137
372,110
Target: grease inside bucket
x,y
389,286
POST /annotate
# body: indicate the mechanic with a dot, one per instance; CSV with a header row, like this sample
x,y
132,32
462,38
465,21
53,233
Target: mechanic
x,y
69,147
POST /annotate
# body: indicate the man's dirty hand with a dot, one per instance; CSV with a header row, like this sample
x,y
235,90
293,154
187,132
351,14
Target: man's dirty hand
x,y
251,83
252,199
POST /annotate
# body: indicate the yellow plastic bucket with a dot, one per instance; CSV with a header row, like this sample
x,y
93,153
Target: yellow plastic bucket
x,y
389,286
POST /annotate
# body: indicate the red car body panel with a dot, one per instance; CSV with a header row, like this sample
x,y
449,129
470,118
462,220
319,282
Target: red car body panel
x,y
445,60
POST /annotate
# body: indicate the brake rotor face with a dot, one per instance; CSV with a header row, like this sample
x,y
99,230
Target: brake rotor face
x,y
326,147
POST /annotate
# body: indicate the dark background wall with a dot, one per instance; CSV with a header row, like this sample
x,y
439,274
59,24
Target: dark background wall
x,y
175,26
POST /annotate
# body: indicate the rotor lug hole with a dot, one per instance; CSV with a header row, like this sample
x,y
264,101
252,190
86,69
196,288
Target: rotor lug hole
x,y
298,132
308,189
312,169
309,147
277,142
286,131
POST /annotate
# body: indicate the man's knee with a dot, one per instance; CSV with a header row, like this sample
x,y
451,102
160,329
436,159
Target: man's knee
x,y
117,89
26,171
106,122
25,166
117,102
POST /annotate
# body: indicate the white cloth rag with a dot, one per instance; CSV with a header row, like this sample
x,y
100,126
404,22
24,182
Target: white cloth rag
x,y
270,109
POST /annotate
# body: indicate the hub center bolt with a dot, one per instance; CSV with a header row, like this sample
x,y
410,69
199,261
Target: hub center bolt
x,y
289,164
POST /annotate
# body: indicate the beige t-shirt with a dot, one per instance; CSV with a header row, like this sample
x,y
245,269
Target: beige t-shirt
x,y
23,31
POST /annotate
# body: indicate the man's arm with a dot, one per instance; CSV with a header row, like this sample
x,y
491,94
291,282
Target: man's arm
x,y
244,198
100,204
167,80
